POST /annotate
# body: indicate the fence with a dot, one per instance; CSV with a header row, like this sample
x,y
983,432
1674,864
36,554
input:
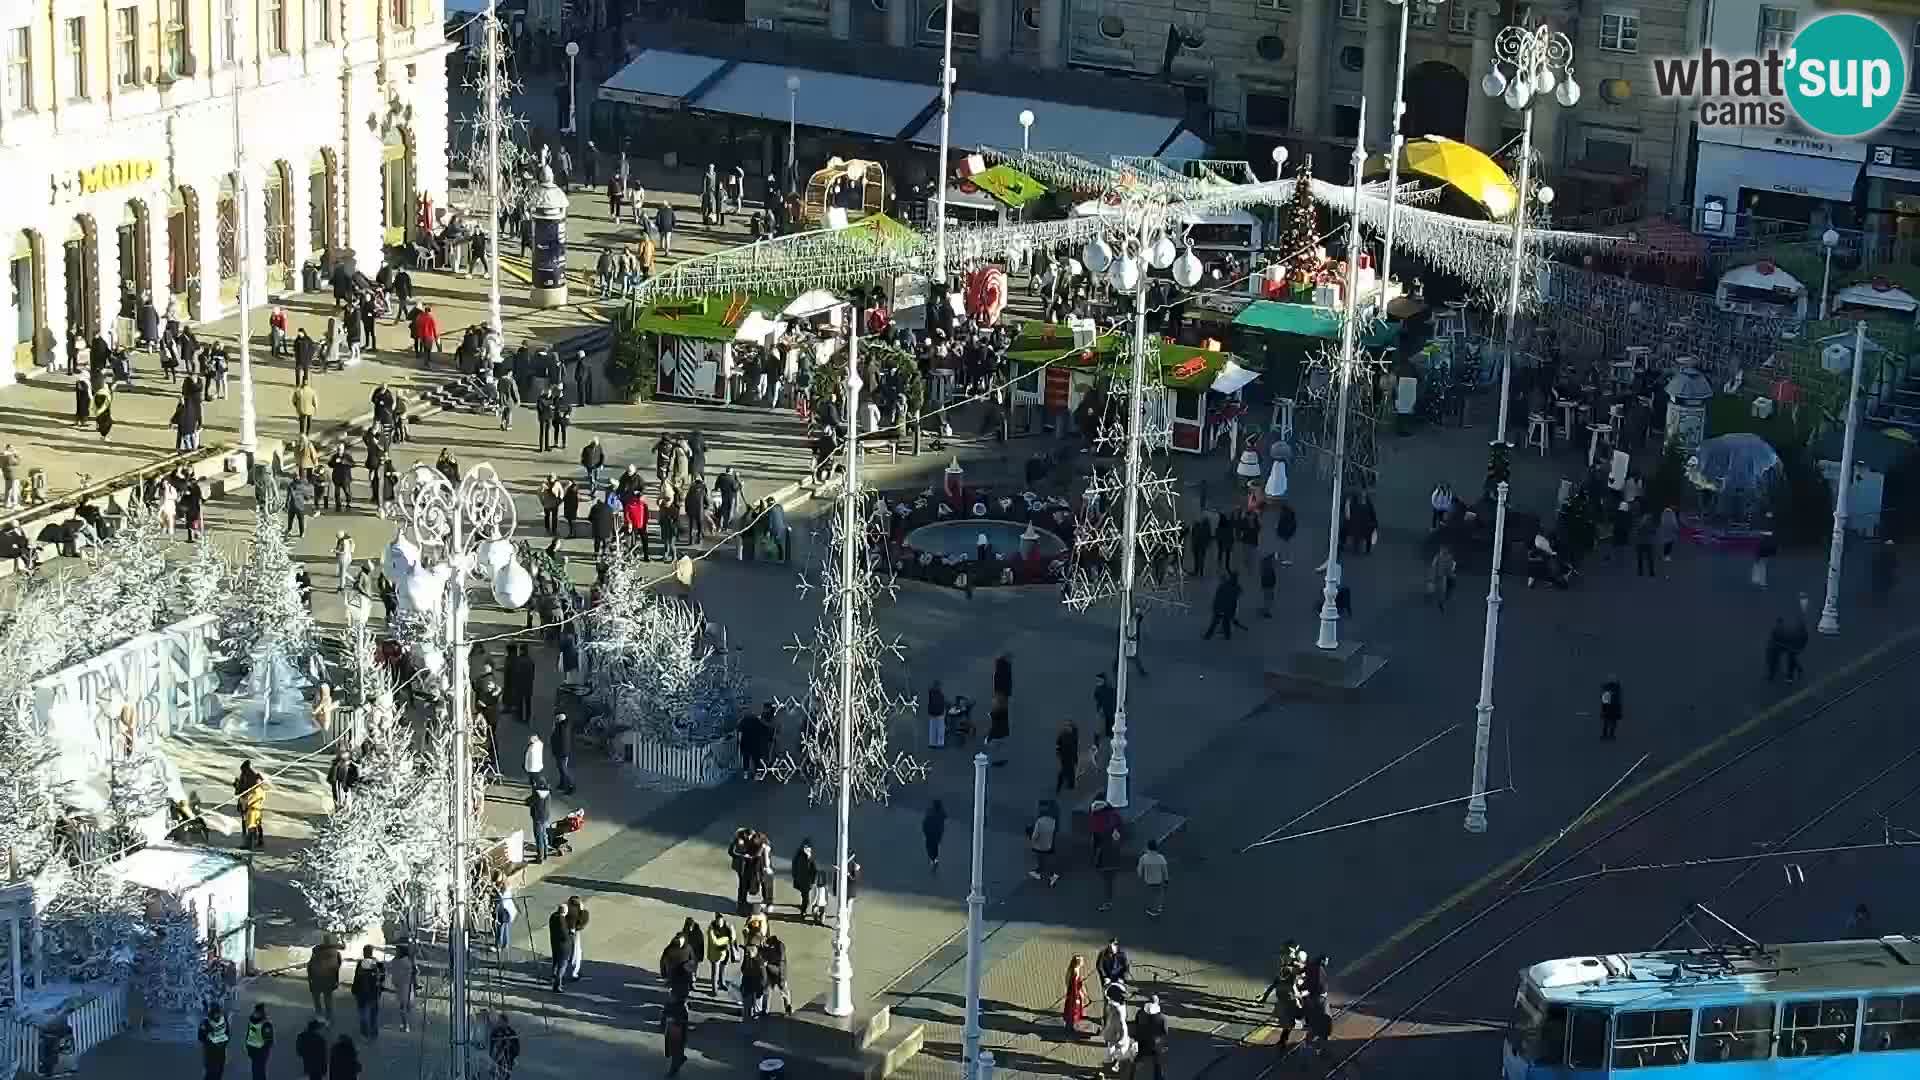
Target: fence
x,y
101,1018
696,765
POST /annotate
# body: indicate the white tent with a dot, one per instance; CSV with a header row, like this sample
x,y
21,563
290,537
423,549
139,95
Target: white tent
x,y
1887,299
809,304
1762,289
758,328
1232,378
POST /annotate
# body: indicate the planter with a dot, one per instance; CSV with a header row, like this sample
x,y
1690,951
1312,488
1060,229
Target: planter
x,y
651,762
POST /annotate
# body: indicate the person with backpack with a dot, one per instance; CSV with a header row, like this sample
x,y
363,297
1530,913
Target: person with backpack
x,y
369,982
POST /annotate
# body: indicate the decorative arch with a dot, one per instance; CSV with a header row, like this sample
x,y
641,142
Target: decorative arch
x,y
81,250
323,203
1436,101
183,241
27,274
133,239
277,195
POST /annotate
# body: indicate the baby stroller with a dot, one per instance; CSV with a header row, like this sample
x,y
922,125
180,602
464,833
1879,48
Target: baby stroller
x,y
559,833
960,719
122,367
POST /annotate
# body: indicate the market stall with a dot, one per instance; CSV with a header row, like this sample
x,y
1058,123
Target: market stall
x,y
692,342
1761,289
1073,373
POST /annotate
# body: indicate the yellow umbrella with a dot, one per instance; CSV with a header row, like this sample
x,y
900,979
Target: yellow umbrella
x,y
1466,169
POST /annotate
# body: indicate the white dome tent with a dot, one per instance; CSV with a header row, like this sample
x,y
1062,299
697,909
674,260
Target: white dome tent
x,y
1762,289
1879,296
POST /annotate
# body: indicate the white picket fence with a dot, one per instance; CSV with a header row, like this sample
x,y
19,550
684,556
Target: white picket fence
x,y
98,1020
700,766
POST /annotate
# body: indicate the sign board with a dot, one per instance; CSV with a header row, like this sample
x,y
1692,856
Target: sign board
x,y
105,176
167,676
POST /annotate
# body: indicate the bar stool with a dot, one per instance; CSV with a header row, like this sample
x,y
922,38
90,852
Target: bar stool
x,y
1639,356
1567,409
1622,372
1593,445
1539,431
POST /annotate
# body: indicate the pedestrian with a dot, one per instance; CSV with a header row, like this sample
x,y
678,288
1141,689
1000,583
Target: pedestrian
x,y
933,828
1269,581
1136,629
1610,705
773,956
663,221
1073,1006
538,813
503,1046
1041,837
720,948
1646,529
1150,1034
323,976
344,1063
311,1047
1226,603
297,508
1103,824
577,942
1152,870
1066,753
1000,722
259,1041
426,335
559,942
535,762
1226,533
1113,1031
1440,576
503,913
561,743
1106,703
369,982
1668,533
1763,554
1200,538
1113,968
806,879
753,985
342,775
405,974
213,1042
342,558
675,1022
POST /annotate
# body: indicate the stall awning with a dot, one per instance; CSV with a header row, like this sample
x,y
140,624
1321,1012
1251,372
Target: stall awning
x,y
1307,320
660,78
1096,134
852,103
1832,179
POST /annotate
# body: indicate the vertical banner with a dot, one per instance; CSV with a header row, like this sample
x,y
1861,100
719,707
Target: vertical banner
x,y
549,253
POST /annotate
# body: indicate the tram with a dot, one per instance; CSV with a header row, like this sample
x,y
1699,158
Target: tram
x,y
1842,1010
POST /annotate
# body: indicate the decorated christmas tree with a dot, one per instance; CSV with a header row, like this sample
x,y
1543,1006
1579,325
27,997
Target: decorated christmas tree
x,y
1300,225
264,621
196,586
1499,466
656,666
125,594
30,801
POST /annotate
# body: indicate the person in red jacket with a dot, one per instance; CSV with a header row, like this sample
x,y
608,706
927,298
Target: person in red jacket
x,y
426,334
635,509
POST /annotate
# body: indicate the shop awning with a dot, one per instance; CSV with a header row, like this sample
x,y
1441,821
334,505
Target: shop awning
x,y
660,78
1096,134
1832,179
853,103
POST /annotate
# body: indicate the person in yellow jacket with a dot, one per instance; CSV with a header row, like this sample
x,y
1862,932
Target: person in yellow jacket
x,y
250,789
213,1042
719,952
306,402
259,1041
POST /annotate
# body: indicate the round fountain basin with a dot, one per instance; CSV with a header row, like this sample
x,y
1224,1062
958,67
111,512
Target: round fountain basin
x,y
947,539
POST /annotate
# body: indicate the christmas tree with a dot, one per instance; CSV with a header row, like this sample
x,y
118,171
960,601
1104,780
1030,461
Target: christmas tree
x,y
1300,225
197,585
125,593
655,666
264,620
1499,466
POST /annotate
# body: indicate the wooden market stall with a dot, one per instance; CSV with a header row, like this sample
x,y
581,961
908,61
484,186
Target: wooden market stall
x,y
692,342
1199,417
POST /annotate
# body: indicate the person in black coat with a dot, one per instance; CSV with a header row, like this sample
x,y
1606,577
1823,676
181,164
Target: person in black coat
x,y
560,745
304,351
1226,606
559,941
600,521
806,873
540,815
214,1037
345,1063
311,1047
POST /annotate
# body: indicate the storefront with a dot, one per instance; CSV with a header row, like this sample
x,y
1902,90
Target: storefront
x,y
1743,175
1893,202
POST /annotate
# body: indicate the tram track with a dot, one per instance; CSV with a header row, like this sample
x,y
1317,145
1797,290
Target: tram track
x,y
1515,885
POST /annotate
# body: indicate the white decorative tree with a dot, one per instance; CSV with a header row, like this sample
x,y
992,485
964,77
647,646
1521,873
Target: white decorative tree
x,y
264,620
31,643
124,594
196,586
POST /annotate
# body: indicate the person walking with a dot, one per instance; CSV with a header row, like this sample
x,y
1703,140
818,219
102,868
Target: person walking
x,y
1152,870
344,1062
538,812
1136,635
1066,753
310,1046
1073,1005
1610,706
720,948
323,976
999,725
1226,604
259,1041
297,507
306,402
535,762
577,943
1646,530
369,982
213,1042
933,828
773,956
1150,1034
663,222
1269,581
1041,837
1285,524
1113,967
342,559
1113,1031
1106,704
405,974
559,942
1668,533
1441,576
675,1021
560,741
806,877
503,1046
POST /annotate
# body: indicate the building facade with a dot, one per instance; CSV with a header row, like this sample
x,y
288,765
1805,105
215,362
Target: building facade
x,y
1294,71
119,123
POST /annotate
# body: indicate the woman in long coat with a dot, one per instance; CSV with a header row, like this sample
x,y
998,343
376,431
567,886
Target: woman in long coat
x,y
82,402
1073,1008
806,874
103,411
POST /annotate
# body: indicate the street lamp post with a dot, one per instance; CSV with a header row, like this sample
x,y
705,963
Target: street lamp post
x,y
1827,240
1026,143
1329,638
573,100
1830,611
1542,62
447,537
1398,141
840,967
1279,162
793,114
495,324
243,253
976,918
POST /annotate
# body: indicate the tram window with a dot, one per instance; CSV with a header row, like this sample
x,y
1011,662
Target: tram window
x,y
1587,1048
1650,1038
1818,1028
1892,1023
1551,1047
1735,1033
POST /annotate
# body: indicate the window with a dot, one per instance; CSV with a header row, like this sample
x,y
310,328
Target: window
x,y
1353,58
1620,31
1818,1028
1892,1023
323,17
227,35
274,33
1651,1038
1735,1033
1353,9
1425,15
126,45
1459,19
179,56
1609,153
1275,5
966,21
1271,111
20,68
1346,121
77,58
1587,1043
401,12
1713,214
1112,27
1776,29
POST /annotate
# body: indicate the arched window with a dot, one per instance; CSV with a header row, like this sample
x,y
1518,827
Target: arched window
x,y
966,21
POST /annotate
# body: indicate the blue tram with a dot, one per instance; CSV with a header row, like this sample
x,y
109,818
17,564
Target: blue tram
x,y
1847,1010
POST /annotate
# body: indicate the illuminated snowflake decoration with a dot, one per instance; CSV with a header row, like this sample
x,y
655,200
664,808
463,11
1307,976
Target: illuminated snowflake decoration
x,y
1098,569
516,165
876,766
1317,426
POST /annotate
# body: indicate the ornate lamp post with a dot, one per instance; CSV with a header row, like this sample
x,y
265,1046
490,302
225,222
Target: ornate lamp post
x,y
1542,63
793,116
449,537
1398,141
1329,638
1828,240
573,100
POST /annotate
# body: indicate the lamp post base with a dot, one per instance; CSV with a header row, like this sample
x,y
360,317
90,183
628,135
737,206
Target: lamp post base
x,y
549,298
1829,623
1476,822
1317,671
